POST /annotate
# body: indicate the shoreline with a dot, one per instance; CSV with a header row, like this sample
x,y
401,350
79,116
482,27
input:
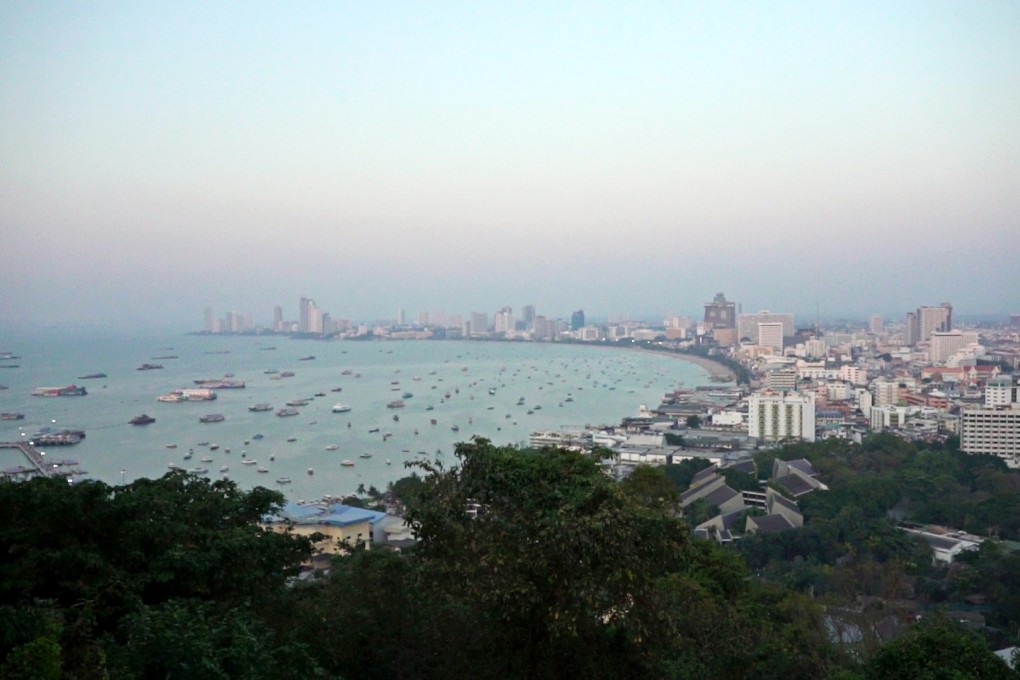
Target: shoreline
x,y
716,372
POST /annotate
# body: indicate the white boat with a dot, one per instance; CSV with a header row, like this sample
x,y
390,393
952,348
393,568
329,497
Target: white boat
x,y
332,447
283,480
249,461
348,463
341,407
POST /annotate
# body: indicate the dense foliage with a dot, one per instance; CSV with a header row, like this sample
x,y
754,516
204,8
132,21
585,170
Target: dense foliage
x,y
530,564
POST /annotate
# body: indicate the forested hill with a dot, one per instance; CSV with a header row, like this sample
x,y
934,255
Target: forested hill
x,y
530,564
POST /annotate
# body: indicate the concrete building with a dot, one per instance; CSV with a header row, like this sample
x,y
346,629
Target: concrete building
x,y
1001,391
770,335
747,324
945,344
479,323
720,313
992,431
577,320
774,415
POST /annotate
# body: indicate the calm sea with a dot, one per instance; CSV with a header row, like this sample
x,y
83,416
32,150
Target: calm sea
x,y
561,386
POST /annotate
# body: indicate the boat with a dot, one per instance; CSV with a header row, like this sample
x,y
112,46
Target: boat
x,y
284,412
396,418
341,407
249,461
337,389
259,436
311,471
320,394
214,447
205,459
283,480
291,439
373,430
165,356
347,463
143,419
262,470
388,462
433,421
198,470
346,371
310,357
455,428
68,391
212,418
397,403
287,374
492,390
259,408
91,376
220,384
188,394
297,402
365,455
63,438
12,416
171,446
149,367
225,468
271,371
430,408
406,395
332,447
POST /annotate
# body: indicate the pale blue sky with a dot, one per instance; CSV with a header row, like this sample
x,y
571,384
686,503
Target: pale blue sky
x,y
156,158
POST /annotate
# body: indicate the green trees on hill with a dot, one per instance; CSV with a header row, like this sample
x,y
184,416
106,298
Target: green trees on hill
x,y
531,564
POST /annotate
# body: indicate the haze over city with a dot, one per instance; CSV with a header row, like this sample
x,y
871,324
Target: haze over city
x,y
161,158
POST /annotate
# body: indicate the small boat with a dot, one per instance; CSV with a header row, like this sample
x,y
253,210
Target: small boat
x,y
199,471
347,463
171,446
433,421
332,447
259,408
337,389
283,480
262,470
388,462
341,407
492,390
225,468
149,367
455,428
373,430
311,471
205,459
212,418
143,419
214,447
406,395
249,461
91,376
258,436
291,439
320,394
310,357
397,403
365,455
396,418
297,402
285,412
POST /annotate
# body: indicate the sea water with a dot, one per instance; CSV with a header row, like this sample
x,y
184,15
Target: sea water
x,y
535,386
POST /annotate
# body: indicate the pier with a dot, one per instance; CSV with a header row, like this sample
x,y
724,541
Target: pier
x,y
38,463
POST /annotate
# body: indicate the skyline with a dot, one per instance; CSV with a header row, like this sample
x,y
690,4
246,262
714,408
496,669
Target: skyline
x,y
161,159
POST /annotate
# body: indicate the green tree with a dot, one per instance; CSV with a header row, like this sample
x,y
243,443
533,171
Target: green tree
x,y
937,649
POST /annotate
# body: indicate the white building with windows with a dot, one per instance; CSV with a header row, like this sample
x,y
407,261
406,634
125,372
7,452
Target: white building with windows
x,y
992,431
775,415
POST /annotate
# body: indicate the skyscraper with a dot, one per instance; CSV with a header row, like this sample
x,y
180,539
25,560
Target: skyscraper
x,y
720,314
528,316
577,320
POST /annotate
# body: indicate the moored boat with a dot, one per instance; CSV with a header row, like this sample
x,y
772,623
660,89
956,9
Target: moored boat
x,y
143,419
212,418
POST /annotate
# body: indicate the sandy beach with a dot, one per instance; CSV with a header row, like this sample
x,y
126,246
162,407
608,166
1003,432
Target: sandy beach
x,y
716,371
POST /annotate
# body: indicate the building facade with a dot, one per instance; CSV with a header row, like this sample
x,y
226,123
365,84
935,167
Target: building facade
x,y
774,415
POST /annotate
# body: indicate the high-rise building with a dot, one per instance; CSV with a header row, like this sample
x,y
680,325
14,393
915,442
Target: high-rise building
x,y
934,319
577,320
720,314
770,335
277,318
401,317
503,320
479,323
773,415
209,323
423,319
911,333
945,344
1001,391
528,316
875,324
747,324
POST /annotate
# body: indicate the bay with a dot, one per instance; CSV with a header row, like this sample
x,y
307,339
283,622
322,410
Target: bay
x,y
534,386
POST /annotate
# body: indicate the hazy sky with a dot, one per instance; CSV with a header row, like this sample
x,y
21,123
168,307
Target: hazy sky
x,y
156,158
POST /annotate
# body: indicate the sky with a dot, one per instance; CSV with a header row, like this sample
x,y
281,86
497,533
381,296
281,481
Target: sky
x,y
624,158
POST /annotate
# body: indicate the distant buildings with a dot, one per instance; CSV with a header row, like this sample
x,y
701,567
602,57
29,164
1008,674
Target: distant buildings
x,y
577,320
748,325
720,313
